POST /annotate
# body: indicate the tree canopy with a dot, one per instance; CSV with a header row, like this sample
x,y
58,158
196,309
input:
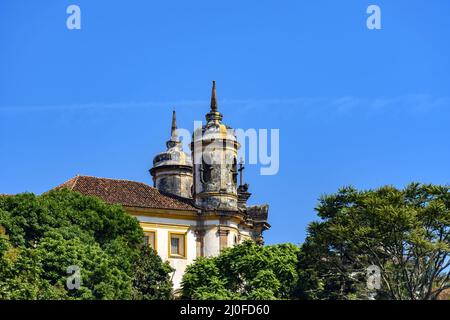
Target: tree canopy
x,y
45,239
245,271
403,232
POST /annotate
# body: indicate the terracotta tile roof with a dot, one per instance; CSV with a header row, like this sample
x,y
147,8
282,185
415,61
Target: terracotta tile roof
x,y
127,193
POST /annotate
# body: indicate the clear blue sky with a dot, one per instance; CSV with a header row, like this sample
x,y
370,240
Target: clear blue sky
x,y
354,106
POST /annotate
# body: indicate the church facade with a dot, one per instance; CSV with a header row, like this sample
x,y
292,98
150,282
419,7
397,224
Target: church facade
x,y
196,207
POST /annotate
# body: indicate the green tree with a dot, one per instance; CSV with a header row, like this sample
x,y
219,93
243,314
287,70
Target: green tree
x,y
406,233
151,276
245,271
45,235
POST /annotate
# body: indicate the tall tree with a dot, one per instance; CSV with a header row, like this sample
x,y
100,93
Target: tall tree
x,y
151,279
246,271
405,233
45,239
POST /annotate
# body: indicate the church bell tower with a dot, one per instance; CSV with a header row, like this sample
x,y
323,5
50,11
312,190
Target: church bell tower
x,y
214,152
172,169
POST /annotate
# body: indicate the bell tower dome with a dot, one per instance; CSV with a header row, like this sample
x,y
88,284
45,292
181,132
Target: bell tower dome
x,y
172,169
214,151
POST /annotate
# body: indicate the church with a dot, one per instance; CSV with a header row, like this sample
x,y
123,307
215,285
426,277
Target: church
x,y
195,208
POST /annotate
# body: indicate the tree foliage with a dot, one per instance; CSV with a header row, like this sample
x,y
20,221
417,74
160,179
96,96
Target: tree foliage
x,y
45,235
406,233
150,281
245,271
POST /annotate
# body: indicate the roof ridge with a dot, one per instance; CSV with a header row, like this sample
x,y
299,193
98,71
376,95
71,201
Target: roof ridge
x,y
65,184
127,193
75,182
114,179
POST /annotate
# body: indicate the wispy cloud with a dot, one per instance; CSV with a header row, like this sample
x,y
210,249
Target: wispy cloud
x,y
339,105
100,106
349,104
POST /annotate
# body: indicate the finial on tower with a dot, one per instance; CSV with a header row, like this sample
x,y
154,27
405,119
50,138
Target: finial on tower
x,y
174,141
173,132
214,114
213,98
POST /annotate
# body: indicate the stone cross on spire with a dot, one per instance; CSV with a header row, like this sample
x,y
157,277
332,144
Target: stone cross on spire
x,y
242,190
241,171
